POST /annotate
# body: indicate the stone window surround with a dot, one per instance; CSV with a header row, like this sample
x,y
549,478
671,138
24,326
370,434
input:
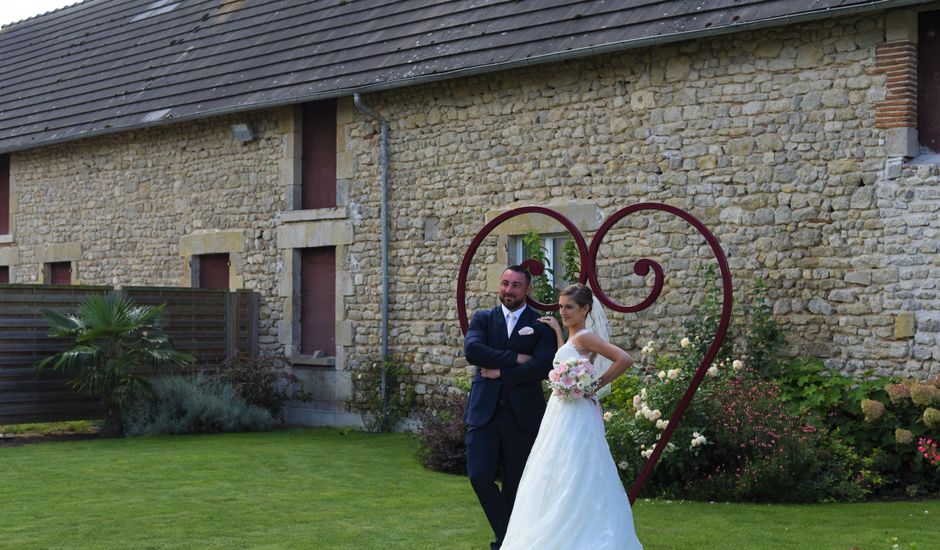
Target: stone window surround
x,y
901,31
54,253
8,238
300,229
585,215
308,229
9,257
214,241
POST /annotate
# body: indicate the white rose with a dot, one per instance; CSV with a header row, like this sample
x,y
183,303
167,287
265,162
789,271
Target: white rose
x,y
661,424
643,394
661,374
647,453
637,402
672,374
651,344
713,371
607,416
655,414
685,342
737,365
623,465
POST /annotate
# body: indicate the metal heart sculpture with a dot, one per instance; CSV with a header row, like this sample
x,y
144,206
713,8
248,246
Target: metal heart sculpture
x,y
588,274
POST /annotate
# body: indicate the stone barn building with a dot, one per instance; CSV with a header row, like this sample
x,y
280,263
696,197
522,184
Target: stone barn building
x,y
240,144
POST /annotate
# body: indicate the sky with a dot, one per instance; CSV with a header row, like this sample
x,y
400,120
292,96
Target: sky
x,y
17,10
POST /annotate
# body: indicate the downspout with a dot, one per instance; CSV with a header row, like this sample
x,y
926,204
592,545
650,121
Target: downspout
x,y
357,100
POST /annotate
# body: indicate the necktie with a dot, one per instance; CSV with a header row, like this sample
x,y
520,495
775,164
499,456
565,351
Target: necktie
x,y
510,323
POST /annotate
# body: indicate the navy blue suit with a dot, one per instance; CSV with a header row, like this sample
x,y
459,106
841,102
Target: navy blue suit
x,y
503,415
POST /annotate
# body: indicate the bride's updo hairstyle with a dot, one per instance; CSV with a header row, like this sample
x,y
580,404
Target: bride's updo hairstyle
x,y
581,294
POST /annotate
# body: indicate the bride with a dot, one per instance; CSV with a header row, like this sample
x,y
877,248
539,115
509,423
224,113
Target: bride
x,y
571,496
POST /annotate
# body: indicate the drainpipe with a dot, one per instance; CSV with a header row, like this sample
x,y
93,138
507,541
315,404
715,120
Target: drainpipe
x,y
357,100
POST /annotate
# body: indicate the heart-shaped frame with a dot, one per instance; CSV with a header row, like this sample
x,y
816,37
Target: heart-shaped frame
x,y
642,268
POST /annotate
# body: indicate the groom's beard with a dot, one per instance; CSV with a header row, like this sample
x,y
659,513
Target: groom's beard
x,y
511,302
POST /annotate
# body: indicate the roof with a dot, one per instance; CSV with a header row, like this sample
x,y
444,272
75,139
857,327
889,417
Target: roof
x,y
103,66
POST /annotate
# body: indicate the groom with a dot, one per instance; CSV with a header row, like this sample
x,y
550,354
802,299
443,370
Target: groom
x,y
513,353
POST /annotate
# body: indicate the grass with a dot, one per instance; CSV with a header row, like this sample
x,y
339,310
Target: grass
x,y
319,488
46,428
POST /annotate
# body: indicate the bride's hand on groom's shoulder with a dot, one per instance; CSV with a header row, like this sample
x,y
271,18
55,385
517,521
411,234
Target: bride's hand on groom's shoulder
x,y
551,322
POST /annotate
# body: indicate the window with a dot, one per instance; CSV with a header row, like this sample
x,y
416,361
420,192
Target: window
x,y
211,271
4,194
928,80
318,301
4,274
318,172
58,273
553,247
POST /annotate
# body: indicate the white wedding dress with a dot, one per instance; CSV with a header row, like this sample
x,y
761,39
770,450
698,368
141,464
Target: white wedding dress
x,y
570,496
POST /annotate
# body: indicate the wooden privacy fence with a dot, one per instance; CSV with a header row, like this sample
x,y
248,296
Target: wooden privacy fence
x,y
206,323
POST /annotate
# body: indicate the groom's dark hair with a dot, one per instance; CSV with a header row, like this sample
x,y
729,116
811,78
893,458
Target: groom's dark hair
x,y
524,271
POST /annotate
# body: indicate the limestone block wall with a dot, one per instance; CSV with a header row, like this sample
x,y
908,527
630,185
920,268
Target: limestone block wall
x,y
131,208
769,137
772,138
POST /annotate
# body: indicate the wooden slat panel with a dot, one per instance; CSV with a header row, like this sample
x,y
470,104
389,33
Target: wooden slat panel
x,y
195,319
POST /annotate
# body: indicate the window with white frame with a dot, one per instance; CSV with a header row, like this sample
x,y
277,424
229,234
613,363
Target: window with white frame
x,y
553,246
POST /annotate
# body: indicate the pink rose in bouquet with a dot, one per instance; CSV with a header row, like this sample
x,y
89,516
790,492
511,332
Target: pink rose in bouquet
x,y
572,378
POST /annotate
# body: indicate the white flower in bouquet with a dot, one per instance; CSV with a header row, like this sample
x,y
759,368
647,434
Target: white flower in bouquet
x,y
572,378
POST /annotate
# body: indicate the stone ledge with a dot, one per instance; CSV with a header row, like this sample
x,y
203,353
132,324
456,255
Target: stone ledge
x,y
293,216
6,239
311,361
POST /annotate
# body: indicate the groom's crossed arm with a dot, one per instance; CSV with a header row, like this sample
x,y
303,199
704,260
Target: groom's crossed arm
x,y
477,350
479,353
537,368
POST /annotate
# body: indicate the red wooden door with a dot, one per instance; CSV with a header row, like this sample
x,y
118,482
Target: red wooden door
x,y
318,300
60,273
318,174
4,195
213,271
928,80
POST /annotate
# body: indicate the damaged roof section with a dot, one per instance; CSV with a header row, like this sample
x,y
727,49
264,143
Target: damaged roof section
x,y
108,65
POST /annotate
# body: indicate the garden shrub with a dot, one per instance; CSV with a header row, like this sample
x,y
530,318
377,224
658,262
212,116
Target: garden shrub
x,y
738,440
442,433
194,405
383,413
262,381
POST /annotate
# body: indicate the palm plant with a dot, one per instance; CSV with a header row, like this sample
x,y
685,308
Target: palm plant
x,y
115,341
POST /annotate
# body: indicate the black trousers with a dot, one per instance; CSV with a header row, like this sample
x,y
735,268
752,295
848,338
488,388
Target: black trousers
x,y
499,444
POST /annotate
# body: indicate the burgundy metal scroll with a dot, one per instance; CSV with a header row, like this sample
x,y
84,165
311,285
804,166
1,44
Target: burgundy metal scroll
x,y
642,268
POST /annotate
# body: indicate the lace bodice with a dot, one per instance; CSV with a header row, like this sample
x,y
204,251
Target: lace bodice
x,y
569,351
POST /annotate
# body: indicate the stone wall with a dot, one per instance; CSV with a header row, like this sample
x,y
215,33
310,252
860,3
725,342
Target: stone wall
x,y
771,138
130,209
768,137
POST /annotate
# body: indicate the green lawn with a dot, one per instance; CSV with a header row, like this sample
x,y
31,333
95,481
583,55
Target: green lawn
x,y
328,489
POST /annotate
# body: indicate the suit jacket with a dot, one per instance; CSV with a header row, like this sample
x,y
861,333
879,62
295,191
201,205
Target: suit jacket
x,y
487,345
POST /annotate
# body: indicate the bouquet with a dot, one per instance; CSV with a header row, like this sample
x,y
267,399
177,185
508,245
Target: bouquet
x,y
572,379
